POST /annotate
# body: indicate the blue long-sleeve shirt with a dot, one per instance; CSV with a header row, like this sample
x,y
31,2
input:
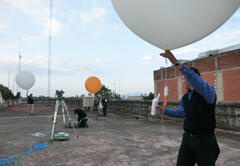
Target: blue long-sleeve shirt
x,y
175,112
199,85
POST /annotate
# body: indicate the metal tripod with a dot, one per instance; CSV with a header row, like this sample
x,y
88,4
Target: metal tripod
x,y
62,104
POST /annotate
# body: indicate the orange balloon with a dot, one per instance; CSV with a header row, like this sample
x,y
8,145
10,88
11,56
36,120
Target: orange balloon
x,y
93,84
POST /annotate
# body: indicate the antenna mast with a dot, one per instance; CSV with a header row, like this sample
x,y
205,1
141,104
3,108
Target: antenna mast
x,y
50,48
9,79
19,55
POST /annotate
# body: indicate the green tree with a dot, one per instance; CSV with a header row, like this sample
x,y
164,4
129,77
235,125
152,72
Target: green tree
x,y
149,97
104,91
116,96
6,93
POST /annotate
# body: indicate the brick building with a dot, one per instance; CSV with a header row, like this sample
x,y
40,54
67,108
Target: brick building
x,y
220,68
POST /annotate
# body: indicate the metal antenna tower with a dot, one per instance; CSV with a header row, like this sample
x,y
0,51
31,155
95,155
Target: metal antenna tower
x,y
9,79
50,48
19,62
13,84
19,55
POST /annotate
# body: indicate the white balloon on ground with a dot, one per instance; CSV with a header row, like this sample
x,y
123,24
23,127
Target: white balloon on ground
x,y
170,24
25,80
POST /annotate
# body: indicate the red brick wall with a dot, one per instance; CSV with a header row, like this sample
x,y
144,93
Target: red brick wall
x,y
229,60
205,65
227,63
171,73
164,74
172,89
157,75
210,78
231,83
159,87
168,73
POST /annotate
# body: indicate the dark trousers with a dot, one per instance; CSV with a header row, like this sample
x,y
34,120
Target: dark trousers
x,y
82,123
203,150
104,111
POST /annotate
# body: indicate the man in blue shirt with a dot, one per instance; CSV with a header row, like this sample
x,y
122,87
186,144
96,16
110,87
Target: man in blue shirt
x,y
197,106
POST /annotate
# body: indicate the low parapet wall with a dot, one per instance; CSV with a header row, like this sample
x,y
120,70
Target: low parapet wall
x,y
41,107
227,113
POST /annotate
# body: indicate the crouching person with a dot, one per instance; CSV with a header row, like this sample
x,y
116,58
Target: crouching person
x,y
82,118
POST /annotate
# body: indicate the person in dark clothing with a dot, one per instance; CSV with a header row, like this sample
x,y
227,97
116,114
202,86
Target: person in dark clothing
x,y
30,102
197,106
104,104
82,118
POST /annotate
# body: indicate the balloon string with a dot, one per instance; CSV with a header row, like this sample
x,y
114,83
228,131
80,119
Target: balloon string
x,y
166,73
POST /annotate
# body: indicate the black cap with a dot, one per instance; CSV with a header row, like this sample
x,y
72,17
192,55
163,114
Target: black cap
x,y
195,70
76,111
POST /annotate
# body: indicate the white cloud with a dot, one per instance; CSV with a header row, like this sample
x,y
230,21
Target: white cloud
x,y
34,37
8,60
56,27
41,60
98,32
3,24
88,62
116,27
38,11
95,14
204,42
70,19
37,60
99,60
146,58
14,60
228,36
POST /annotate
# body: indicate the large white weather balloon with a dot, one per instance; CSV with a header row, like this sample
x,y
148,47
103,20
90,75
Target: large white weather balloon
x,y
170,24
25,80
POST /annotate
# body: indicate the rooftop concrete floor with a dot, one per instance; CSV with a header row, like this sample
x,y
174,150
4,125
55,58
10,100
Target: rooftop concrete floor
x,y
110,141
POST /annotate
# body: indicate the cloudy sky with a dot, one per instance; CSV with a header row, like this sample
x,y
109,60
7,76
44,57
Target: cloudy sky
x,y
88,39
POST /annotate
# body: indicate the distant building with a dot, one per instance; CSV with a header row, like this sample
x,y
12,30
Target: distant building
x,y
220,68
135,98
123,97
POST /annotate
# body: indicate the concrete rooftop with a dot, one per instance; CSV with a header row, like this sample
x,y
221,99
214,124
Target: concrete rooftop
x,y
111,141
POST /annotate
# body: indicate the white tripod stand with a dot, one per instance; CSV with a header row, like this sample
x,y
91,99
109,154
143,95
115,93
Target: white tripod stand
x,y
64,111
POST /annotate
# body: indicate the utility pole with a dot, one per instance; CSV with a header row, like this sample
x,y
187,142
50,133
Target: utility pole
x,y
50,48
115,87
119,88
8,79
19,55
13,83
19,62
